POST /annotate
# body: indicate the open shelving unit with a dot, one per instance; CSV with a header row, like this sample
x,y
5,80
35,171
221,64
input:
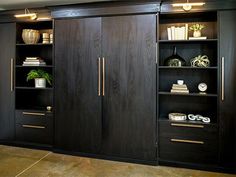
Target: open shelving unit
x,y
194,102
27,96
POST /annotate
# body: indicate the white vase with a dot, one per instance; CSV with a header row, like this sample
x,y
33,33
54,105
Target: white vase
x,y
40,83
197,33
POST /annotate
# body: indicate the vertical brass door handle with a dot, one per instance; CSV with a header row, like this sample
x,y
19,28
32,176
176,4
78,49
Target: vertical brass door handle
x,y
103,76
99,76
222,78
12,74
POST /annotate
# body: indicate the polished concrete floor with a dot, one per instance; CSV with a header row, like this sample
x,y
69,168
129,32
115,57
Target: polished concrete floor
x,y
23,162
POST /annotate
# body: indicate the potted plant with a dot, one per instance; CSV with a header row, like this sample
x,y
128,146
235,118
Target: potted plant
x,y
196,28
40,77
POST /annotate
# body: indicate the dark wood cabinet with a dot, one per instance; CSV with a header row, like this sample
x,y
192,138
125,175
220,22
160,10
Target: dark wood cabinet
x,y
227,26
121,122
129,103
7,55
78,107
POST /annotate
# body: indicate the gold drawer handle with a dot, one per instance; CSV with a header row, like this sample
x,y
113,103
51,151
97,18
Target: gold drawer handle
x,y
33,113
187,125
187,141
33,126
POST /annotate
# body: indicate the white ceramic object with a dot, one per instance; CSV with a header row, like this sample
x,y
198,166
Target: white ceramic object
x,y
180,82
40,83
197,33
30,36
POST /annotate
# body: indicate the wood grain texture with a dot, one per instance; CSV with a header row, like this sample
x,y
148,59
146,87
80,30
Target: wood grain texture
x,y
129,104
227,27
78,107
104,9
7,51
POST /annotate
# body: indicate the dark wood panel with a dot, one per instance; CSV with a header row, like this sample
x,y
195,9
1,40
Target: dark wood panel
x,y
78,106
227,106
7,52
129,104
101,9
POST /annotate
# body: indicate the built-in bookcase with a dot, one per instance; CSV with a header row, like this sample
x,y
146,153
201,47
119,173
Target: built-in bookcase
x,y
192,103
27,96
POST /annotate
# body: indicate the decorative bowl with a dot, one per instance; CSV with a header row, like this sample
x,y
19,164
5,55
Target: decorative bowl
x,y
30,36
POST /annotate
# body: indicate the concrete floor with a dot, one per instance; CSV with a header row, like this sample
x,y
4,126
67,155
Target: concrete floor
x,y
23,162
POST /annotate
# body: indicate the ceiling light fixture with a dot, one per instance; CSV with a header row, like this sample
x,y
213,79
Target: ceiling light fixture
x,y
27,14
188,6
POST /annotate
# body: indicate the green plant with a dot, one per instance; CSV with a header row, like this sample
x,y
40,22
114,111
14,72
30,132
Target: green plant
x,y
196,27
33,74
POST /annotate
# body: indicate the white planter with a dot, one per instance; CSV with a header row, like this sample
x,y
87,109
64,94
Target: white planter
x,y
197,34
40,83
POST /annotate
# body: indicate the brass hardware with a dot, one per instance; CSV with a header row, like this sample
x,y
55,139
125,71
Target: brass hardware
x,y
99,76
33,113
103,76
33,126
156,52
187,141
12,74
223,79
187,125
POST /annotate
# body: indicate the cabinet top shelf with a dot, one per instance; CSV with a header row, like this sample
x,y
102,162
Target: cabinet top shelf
x,y
34,88
188,67
188,94
188,41
38,44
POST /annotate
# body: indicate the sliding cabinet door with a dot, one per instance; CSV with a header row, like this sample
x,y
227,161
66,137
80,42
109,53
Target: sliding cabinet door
x,y
129,102
78,106
228,89
7,54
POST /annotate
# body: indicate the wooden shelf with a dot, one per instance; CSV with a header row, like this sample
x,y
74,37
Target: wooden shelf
x,y
38,44
188,41
188,94
189,67
46,66
165,119
33,88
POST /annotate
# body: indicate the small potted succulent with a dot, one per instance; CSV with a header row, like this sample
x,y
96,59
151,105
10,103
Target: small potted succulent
x,y
196,28
40,77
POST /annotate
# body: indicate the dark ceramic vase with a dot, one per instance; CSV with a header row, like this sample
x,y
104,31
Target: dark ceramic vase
x,y
175,60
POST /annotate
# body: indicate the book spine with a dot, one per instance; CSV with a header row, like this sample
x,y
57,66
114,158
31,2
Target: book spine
x,y
169,33
173,33
186,31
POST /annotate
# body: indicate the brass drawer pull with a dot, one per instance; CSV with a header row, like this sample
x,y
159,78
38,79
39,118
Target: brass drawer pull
x,y
33,126
187,141
187,125
33,113
223,79
12,75
99,76
103,76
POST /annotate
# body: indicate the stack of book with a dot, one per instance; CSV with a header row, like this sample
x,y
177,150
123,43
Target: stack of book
x,y
178,33
176,88
33,61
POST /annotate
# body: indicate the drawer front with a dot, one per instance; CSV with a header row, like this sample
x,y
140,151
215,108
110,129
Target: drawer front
x,y
206,132
186,142
34,133
188,150
33,117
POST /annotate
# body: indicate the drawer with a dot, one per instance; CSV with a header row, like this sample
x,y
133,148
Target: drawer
x,y
33,117
35,133
188,130
188,142
188,150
